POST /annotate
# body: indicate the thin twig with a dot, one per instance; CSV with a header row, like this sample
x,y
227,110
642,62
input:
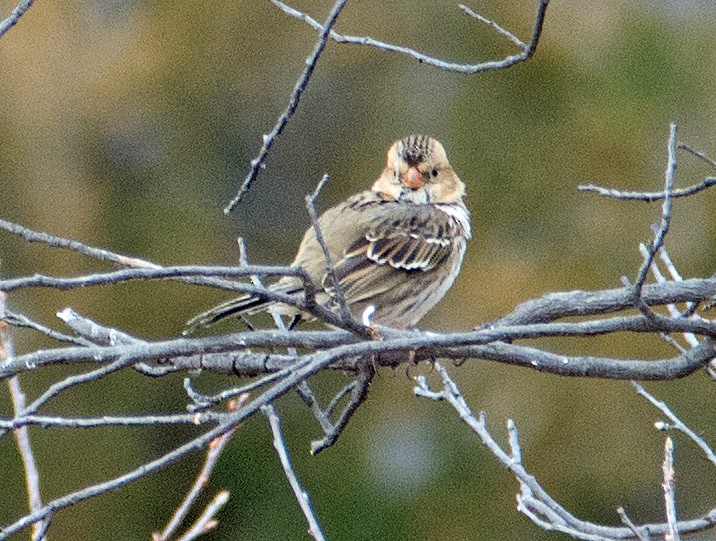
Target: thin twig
x,y
514,440
673,310
12,19
19,320
21,433
145,469
215,448
268,140
209,276
533,500
22,438
206,521
333,404
676,277
629,524
70,381
199,273
332,280
303,389
46,421
304,502
663,229
648,197
657,196
669,491
359,392
700,154
94,332
676,423
496,27
76,246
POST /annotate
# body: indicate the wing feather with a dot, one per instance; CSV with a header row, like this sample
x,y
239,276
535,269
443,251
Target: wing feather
x,y
377,261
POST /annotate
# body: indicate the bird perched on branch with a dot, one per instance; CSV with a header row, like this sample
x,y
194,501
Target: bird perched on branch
x,y
397,247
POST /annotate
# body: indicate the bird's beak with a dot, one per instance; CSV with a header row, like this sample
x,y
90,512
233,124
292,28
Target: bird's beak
x,y
412,178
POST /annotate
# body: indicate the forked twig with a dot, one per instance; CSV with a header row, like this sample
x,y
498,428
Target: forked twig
x,y
675,423
206,520
536,503
640,536
359,392
527,50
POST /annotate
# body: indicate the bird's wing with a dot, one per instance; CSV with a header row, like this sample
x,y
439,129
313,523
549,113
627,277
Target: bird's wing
x,y
404,241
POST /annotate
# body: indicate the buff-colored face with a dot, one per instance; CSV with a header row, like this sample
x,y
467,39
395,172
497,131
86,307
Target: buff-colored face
x,y
418,171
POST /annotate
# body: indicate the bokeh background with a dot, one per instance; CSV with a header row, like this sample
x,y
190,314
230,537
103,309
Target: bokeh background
x,y
129,125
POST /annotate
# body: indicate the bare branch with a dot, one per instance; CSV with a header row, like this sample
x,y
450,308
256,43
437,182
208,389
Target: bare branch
x,y
526,50
326,31
314,528
629,524
268,140
648,197
93,332
145,469
22,436
303,388
154,273
663,229
337,293
19,320
674,312
198,275
215,449
57,388
12,19
111,420
552,306
76,246
194,275
206,521
359,392
700,154
533,500
496,27
341,349
669,491
675,423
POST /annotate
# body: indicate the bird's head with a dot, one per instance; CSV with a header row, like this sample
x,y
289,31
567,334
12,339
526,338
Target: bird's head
x,y
418,171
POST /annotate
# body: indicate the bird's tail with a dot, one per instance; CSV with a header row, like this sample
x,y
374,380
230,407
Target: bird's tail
x,y
247,304
236,306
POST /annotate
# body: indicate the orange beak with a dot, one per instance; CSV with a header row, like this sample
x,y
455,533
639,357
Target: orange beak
x,y
412,178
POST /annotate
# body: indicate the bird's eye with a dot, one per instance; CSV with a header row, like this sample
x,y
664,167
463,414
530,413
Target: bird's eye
x,y
434,173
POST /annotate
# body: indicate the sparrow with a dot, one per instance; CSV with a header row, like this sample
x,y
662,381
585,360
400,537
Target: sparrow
x,y
396,248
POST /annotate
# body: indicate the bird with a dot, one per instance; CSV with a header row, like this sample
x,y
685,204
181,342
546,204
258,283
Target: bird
x,y
396,248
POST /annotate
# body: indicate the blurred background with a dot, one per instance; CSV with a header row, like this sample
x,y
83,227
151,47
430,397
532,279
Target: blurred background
x,y
129,125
